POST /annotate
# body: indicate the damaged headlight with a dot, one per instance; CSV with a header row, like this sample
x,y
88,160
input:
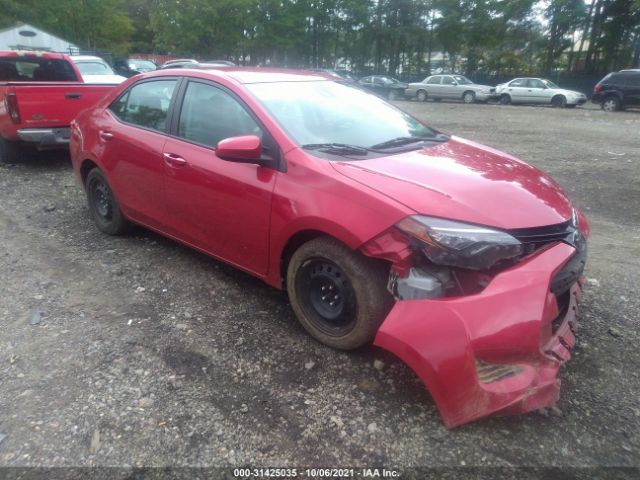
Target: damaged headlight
x,y
457,244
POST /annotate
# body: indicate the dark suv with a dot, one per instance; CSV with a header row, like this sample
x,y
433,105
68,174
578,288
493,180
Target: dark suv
x,y
618,90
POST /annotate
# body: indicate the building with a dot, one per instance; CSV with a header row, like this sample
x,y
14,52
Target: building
x,y
28,37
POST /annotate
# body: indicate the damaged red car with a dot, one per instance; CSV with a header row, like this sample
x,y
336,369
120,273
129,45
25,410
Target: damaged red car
x,y
463,261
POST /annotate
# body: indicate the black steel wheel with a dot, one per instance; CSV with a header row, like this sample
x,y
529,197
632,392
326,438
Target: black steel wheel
x,y
505,99
103,205
338,295
559,101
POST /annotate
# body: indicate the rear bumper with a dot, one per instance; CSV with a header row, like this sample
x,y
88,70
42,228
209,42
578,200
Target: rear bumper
x,y
516,323
46,138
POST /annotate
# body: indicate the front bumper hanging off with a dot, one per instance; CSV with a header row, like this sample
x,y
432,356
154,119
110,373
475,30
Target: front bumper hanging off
x,y
494,352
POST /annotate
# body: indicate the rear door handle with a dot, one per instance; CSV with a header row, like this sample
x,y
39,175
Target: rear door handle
x,y
105,136
73,96
174,160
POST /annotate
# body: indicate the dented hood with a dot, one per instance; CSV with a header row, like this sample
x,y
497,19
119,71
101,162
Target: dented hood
x,y
465,181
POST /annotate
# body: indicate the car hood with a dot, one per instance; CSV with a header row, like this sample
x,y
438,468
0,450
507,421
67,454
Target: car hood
x,y
465,181
103,79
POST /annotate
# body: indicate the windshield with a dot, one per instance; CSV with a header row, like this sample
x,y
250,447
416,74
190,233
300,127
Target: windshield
x,y
322,112
94,68
550,84
462,80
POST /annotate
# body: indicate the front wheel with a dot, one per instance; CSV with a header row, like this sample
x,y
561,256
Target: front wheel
x,y
338,295
392,95
558,101
469,97
421,96
103,205
505,99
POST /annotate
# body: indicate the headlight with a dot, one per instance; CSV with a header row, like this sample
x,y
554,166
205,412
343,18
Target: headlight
x,y
456,244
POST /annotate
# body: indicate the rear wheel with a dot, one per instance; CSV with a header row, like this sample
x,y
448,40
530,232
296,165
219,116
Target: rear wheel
x,y
392,95
611,104
469,97
9,151
103,205
421,96
558,101
338,295
505,99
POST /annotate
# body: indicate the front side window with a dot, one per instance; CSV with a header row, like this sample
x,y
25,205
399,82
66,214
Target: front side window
x,y
209,114
462,80
434,81
519,82
448,81
146,104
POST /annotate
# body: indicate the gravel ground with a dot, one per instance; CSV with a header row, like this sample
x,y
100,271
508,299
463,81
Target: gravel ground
x,y
147,353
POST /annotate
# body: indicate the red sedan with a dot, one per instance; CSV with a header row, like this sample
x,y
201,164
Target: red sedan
x,y
463,261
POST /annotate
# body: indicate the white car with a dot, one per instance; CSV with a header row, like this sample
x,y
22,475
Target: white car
x,y
537,91
96,70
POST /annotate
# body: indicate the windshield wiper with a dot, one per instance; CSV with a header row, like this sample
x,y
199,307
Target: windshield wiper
x,y
337,148
401,141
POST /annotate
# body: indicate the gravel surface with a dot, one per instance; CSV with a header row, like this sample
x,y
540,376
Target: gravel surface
x,y
136,351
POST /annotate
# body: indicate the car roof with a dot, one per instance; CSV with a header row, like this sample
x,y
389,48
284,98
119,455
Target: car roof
x,y
248,75
86,58
31,53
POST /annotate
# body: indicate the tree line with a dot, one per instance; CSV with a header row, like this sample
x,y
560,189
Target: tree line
x,y
495,37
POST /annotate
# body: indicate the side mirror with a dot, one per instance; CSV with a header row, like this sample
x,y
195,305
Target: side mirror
x,y
243,149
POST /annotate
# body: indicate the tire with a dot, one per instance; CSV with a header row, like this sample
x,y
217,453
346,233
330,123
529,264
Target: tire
x,y
559,101
350,319
422,95
392,95
505,99
103,205
610,104
9,151
469,97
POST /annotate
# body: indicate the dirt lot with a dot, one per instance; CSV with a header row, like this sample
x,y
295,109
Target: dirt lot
x,y
150,354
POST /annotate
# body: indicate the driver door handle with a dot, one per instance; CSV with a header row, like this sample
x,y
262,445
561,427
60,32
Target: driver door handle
x,y
105,136
174,160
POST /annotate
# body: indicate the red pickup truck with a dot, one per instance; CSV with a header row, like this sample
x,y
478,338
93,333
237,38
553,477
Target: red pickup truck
x,y
41,93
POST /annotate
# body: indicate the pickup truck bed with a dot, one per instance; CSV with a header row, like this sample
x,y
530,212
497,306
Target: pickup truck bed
x,y
35,111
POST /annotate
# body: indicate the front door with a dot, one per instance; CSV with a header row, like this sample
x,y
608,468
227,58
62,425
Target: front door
x,y
219,206
539,92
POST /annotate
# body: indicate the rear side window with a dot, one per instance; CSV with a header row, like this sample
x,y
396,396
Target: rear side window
x,y
35,69
434,81
633,79
145,104
210,114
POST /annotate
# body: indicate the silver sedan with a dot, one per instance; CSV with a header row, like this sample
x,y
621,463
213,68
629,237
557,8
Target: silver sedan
x,y
537,91
438,87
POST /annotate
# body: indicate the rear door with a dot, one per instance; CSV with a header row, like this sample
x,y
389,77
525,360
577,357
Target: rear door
x,y
518,90
133,135
434,86
219,206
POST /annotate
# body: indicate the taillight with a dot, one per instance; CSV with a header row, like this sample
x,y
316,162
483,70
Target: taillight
x,y
11,101
597,88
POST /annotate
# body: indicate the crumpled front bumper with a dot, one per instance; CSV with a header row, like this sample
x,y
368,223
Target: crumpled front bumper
x,y
515,322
